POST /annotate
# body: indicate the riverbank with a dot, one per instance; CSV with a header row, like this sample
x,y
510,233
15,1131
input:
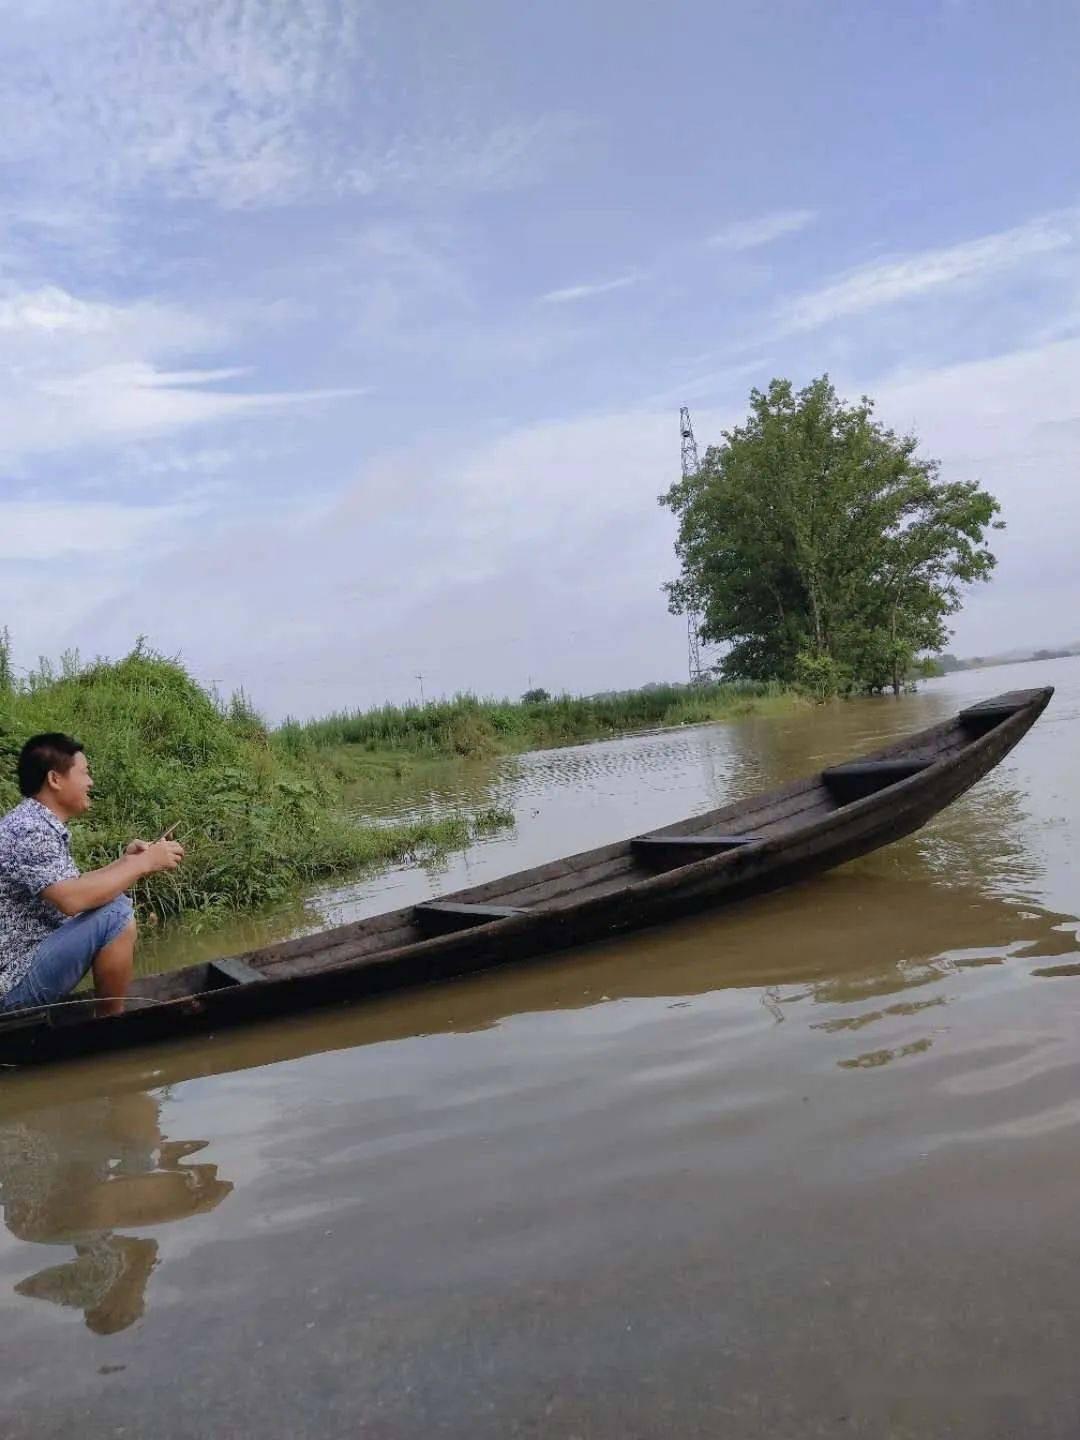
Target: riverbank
x,y
260,822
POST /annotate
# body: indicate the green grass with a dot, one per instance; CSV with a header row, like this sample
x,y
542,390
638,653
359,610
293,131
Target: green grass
x,y
472,728
259,809
259,817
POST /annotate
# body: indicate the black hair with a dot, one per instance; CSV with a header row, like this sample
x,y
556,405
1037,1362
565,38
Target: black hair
x,y
42,753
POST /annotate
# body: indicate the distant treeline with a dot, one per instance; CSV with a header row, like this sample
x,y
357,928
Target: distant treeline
x,y
948,664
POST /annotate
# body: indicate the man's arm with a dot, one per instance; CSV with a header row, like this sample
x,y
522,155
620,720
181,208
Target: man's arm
x,y
98,887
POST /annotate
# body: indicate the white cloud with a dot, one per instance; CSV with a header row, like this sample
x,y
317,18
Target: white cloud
x,y
887,282
78,372
1017,409
763,230
133,399
32,318
571,293
137,375
1012,422
52,310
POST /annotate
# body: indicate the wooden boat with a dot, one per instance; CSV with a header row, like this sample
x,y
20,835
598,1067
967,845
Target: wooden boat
x,y
723,855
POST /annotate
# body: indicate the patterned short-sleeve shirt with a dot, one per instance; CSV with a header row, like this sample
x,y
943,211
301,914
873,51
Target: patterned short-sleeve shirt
x,y
35,852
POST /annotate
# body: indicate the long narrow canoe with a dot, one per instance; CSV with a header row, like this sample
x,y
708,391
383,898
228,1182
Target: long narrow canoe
x,y
711,859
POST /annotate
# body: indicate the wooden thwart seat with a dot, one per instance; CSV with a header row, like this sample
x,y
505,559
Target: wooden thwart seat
x,y
684,849
443,917
234,971
978,719
867,777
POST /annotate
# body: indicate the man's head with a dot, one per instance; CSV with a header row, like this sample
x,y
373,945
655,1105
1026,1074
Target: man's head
x,y
53,769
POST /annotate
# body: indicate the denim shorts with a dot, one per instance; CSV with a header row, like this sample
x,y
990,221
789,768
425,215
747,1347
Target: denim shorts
x,y
64,957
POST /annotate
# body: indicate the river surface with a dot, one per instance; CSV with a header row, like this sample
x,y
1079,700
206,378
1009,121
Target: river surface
x,y
810,1167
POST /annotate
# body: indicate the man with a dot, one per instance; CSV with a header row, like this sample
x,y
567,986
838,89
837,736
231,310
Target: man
x,y
55,924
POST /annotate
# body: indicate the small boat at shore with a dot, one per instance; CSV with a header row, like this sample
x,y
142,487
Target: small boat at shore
x,y
712,859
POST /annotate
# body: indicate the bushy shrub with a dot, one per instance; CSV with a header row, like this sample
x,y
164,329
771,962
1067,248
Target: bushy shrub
x,y
820,676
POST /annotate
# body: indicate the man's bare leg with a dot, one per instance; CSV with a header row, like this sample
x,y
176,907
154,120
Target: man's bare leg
x,y
112,971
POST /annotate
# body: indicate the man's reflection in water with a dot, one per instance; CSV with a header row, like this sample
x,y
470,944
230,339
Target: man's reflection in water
x,y
78,1174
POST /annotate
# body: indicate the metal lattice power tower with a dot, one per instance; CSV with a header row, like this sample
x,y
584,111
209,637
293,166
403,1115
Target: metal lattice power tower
x,y
690,464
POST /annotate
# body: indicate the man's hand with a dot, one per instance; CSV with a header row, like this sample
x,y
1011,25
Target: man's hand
x,y
136,847
161,855
98,887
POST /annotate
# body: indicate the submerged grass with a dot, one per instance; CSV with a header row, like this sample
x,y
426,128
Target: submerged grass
x,y
258,817
469,727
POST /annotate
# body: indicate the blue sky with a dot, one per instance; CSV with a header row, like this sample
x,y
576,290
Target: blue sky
x,y
343,342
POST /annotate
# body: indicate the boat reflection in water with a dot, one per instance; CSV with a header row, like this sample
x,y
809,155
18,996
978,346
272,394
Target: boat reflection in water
x,y
80,1176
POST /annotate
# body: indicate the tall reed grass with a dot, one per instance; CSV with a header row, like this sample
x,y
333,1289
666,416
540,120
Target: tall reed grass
x,y
467,725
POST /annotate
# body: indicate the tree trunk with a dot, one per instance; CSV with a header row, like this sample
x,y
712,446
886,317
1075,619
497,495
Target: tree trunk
x,y
819,636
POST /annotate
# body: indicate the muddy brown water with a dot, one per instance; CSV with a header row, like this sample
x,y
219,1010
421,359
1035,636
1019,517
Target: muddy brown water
x,y
808,1167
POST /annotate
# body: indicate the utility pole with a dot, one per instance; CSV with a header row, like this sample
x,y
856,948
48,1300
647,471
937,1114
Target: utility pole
x,y
690,465
420,677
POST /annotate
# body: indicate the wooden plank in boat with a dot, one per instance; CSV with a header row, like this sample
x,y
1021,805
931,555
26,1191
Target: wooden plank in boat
x,y
866,777
684,849
443,917
1000,704
564,877
235,970
978,719
756,813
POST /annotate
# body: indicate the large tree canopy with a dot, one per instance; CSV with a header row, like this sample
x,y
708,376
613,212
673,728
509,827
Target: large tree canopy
x,y
816,544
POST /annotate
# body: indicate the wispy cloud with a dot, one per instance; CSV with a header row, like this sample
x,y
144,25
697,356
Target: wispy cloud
x,y
903,277
212,102
86,371
465,156
570,293
45,315
750,234
250,104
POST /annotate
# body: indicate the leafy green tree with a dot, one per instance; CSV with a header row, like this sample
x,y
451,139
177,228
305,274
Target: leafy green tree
x,y
817,545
